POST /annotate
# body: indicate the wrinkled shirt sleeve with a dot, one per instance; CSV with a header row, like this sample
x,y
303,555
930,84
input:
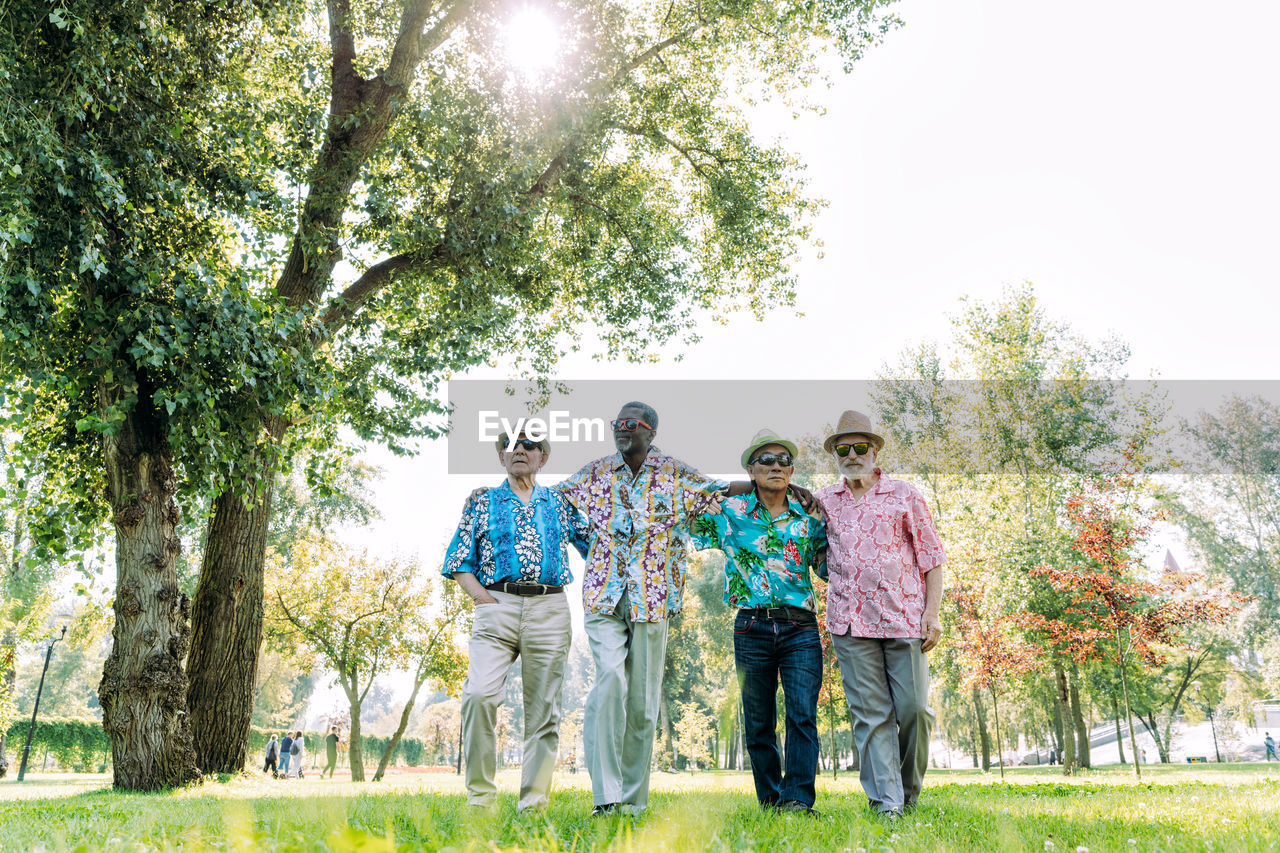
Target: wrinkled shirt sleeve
x,y
924,536
462,554
577,528
577,489
819,527
697,492
707,533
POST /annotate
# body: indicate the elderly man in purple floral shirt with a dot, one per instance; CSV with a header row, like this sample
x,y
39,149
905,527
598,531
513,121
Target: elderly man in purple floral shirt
x,y
639,504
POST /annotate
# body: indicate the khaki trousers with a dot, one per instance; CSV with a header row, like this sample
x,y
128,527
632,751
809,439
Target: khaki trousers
x,y
622,708
886,682
536,629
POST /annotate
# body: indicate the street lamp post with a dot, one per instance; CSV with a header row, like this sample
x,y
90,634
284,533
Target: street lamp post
x,y
26,750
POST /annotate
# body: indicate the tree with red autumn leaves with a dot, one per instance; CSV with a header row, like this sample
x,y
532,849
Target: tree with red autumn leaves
x,y
1113,613
988,648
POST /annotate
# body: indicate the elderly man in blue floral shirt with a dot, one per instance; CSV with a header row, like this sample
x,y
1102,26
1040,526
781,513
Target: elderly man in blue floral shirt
x,y
771,544
511,555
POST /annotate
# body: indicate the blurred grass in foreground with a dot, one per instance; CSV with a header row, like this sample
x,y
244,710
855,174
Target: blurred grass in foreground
x,y
1212,807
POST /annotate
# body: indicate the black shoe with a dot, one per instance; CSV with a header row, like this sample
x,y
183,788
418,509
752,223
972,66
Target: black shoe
x,y
891,816
797,807
606,810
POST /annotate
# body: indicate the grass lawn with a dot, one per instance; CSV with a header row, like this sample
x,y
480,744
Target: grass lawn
x,y
1206,807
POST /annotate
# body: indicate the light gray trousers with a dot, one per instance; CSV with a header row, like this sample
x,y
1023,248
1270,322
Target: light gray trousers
x,y
886,682
537,629
622,708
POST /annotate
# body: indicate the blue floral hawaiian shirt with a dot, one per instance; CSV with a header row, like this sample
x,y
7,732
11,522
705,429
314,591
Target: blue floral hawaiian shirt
x,y
501,538
767,561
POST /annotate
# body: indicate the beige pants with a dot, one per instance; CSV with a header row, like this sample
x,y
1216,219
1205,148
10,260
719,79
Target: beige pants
x,y
536,629
622,708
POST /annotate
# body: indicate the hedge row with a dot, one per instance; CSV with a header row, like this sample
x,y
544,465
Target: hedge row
x,y
83,745
79,745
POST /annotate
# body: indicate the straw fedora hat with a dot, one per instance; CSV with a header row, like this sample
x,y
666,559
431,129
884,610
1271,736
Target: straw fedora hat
x,y
851,422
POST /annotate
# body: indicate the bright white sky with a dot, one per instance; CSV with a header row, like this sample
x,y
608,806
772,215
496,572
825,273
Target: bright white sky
x,y
1119,155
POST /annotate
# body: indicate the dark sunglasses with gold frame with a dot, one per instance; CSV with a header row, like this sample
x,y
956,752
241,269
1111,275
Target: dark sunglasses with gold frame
x,y
858,447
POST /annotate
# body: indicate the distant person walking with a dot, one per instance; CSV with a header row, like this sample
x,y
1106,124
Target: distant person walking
x,y
299,752
1270,743
273,755
286,754
331,752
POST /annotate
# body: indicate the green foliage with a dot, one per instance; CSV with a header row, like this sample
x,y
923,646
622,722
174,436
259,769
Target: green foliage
x,y
1230,507
119,289
79,745
183,180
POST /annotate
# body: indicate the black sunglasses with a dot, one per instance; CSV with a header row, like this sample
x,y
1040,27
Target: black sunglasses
x,y
858,448
628,424
769,459
527,444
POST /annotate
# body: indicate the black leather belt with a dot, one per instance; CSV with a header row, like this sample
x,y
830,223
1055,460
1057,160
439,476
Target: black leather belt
x,y
514,588
791,614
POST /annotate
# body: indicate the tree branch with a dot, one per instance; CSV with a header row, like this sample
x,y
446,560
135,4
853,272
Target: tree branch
x,y
413,42
662,137
345,81
374,279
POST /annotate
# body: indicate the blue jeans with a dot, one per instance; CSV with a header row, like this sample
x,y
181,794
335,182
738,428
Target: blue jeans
x,y
765,649
284,762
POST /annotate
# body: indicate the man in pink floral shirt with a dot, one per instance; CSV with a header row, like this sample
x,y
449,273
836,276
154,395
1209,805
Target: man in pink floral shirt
x,y
885,562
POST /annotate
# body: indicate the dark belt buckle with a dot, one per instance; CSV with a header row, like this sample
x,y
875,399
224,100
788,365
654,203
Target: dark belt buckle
x,y
526,589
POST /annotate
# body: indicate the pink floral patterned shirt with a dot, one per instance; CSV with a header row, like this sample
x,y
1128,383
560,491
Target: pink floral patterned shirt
x,y
879,548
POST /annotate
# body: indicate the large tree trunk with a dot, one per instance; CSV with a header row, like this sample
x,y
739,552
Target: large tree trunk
x,y
1062,701
1077,718
395,738
355,752
227,628
144,688
984,735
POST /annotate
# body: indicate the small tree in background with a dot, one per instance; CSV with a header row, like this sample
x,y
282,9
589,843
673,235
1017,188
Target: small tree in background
x,y
1131,619
350,611
431,637
989,649
693,733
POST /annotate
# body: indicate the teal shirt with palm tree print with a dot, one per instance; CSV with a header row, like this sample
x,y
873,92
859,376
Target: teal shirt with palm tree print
x,y
767,561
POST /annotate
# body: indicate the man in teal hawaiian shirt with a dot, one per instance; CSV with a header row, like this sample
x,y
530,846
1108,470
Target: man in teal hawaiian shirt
x,y
771,544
